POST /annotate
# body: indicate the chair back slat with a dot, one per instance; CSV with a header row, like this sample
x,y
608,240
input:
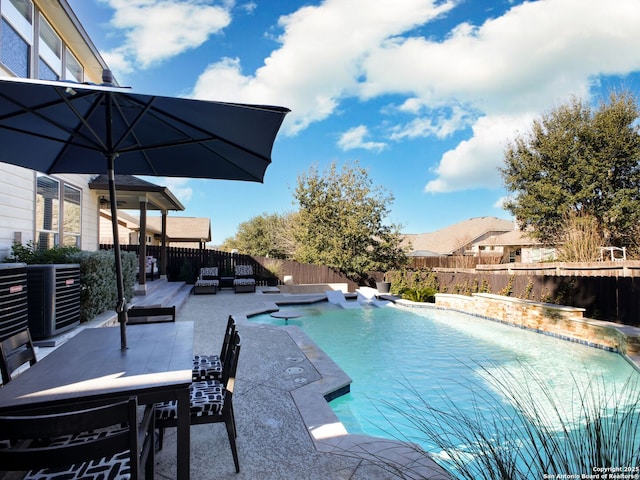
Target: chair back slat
x,y
75,435
228,335
138,315
230,365
16,351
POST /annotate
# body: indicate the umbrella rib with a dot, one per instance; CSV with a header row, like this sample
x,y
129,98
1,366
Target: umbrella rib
x,y
76,131
130,130
207,135
84,119
160,115
36,111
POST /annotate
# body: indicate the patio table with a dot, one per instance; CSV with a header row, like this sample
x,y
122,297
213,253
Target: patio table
x,y
91,366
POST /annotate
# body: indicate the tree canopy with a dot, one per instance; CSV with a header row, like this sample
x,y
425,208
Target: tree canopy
x,y
340,221
581,162
267,235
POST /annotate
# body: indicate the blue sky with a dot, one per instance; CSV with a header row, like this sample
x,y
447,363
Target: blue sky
x,y
425,94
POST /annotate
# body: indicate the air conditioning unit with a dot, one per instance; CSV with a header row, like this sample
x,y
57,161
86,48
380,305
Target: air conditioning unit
x,y
13,299
54,299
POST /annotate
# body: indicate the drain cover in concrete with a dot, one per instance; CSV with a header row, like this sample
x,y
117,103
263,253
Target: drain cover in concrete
x,y
294,370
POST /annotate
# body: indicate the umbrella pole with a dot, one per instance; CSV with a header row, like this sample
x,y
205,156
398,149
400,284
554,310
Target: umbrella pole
x,y
121,305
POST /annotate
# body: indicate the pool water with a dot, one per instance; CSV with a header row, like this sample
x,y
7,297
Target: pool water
x,y
442,355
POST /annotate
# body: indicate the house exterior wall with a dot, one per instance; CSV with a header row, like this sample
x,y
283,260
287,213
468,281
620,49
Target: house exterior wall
x,y
17,198
18,185
17,217
538,254
126,235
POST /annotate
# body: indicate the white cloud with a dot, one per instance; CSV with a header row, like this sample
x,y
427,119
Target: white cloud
x,y
321,56
355,138
156,30
492,77
499,203
439,124
249,7
474,162
534,56
179,187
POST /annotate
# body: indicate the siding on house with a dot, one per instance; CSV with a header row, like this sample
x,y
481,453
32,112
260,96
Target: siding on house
x,y
18,207
17,185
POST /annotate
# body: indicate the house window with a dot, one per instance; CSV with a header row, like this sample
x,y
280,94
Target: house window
x,y
17,36
20,34
50,50
71,216
57,220
47,212
73,69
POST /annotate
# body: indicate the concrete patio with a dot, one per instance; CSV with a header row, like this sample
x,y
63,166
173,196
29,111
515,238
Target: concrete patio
x,y
286,429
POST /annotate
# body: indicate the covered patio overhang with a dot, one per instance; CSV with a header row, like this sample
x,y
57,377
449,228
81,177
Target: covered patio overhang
x,y
136,194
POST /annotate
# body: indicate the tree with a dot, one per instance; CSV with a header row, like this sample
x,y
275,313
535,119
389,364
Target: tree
x,y
578,162
267,235
340,222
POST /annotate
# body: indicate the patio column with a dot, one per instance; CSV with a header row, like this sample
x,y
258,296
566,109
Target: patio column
x,y
163,246
142,248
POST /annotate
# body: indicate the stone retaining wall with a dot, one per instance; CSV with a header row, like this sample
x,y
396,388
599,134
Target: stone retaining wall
x,y
558,320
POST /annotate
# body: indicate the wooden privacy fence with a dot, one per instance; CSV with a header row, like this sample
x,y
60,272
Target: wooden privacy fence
x,y
611,298
183,264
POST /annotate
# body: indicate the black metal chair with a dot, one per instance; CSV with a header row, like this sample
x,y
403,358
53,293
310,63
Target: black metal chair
x,y
80,441
15,352
209,367
211,401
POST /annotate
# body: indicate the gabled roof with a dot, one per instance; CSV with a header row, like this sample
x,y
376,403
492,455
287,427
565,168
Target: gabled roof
x,y
451,239
515,238
179,229
129,189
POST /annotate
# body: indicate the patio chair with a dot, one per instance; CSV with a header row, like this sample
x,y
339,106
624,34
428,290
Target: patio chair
x,y
209,367
244,281
151,314
211,402
89,441
15,352
208,281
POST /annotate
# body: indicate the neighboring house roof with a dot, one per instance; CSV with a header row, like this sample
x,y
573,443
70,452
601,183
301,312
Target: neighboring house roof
x,y
124,220
459,236
514,239
129,189
423,253
179,229
183,229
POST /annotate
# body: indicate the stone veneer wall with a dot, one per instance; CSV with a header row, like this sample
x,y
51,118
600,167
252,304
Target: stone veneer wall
x,y
558,320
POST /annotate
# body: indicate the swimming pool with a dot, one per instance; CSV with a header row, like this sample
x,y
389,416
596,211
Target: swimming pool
x,y
442,355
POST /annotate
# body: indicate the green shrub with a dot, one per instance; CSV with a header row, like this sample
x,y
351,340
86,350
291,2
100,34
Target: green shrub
x,y
425,294
411,279
30,254
98,279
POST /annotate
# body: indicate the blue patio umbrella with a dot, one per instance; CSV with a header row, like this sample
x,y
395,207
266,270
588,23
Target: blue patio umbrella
x,y
60,127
